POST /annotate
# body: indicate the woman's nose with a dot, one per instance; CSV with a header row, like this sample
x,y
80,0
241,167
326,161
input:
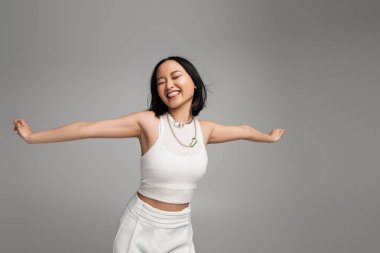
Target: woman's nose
x,y
169,84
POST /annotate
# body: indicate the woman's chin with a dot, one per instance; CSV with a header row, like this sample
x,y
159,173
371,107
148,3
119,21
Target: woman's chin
x,y
174,101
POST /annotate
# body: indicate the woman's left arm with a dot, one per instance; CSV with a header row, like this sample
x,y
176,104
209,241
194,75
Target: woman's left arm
x,y
218,133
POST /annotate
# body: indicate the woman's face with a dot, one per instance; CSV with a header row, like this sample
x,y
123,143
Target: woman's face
x,y
171,76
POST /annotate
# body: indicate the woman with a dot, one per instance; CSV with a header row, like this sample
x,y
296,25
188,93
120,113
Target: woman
x,y
173,156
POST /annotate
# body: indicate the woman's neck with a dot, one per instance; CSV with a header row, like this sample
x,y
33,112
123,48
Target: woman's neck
x,y
181,116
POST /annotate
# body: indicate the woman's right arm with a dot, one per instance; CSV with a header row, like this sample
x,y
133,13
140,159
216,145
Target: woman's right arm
x,y
121,127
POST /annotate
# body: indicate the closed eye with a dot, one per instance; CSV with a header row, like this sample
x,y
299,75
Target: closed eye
x,y
173,78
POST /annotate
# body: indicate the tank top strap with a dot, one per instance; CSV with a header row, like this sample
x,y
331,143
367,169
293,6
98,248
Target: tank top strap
x,y
199,133
161,126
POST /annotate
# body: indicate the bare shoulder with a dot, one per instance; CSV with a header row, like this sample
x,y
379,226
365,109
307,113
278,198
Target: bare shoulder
x,y
148,123
146,118
205,123
206,126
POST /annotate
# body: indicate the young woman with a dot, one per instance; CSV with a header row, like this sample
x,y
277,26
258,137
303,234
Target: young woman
x,y
173,156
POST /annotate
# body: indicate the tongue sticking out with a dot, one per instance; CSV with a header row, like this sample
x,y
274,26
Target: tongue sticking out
x,y
173,94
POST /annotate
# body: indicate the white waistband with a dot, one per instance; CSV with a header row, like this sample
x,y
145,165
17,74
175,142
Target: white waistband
x,y
156,217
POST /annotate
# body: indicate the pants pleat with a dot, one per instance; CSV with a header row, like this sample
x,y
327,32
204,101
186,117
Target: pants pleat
x,y
146,229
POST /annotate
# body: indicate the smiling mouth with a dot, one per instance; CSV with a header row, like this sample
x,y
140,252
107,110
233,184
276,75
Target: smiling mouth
x,y
173,94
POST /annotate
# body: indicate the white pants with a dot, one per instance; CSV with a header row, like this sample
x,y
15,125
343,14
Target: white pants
x,y
146,229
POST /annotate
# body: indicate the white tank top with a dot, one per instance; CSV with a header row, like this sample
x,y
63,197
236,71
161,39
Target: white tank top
x,y
169,171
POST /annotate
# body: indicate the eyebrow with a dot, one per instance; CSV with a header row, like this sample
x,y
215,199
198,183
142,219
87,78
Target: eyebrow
x,y
170,73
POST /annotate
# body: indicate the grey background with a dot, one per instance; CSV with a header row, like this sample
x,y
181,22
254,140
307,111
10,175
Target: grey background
x,y
311,67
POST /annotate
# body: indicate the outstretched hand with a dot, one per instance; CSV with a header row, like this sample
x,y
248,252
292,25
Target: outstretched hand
x,y
276,134
22,128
